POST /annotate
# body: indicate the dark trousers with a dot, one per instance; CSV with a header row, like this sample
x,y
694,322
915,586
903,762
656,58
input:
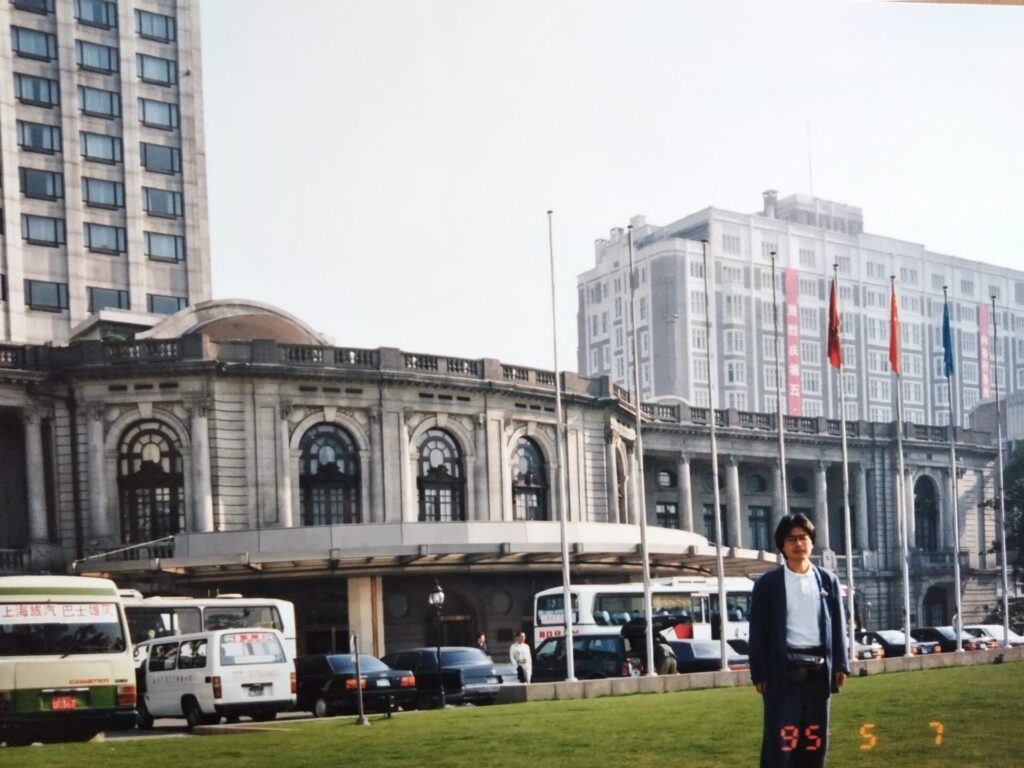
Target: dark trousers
x,y
796,723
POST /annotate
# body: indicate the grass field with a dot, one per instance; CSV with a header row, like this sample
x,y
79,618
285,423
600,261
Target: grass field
x,y
981,710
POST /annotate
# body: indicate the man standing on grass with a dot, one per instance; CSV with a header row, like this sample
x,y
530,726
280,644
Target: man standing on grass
x,y
798,653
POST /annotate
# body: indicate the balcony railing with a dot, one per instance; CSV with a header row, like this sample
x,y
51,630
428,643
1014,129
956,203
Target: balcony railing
x,y
14,561
143,352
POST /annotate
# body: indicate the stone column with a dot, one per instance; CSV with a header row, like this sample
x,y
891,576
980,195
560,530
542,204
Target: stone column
x,y
38,526
946,515
366,613
821,507
777,510
685,494
613,479
375,504
99,515
410,502
285,514
202,494
732,491
861,494
480,511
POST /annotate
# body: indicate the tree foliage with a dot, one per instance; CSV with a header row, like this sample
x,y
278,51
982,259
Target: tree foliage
x,y
1013,490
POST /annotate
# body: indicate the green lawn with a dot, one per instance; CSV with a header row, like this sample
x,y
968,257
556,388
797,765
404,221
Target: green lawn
x,y
981,710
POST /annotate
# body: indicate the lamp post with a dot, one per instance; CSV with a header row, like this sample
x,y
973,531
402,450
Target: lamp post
x,y
436,599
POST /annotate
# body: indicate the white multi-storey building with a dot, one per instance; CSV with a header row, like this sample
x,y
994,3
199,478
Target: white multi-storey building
x,y
104,179
808,236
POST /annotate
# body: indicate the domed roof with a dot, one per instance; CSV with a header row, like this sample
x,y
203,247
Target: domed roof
x,y
236,320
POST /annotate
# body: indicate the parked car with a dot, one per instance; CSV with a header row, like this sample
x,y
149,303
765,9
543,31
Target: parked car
x,y
894,643
995,632
469,675
867,649
594,657
706,655
327,684
946,638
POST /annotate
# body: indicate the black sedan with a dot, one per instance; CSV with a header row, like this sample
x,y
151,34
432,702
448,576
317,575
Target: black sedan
x,y
326,684
470,676
946,638
706,655
894,643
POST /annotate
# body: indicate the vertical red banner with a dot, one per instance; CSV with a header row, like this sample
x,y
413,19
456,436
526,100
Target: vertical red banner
x,y
793,386
983,351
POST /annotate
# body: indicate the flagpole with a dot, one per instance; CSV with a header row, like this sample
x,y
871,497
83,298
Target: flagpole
x,y
712,419
1002,501
780,410
641,500
901,500
563,506
847,527
947,343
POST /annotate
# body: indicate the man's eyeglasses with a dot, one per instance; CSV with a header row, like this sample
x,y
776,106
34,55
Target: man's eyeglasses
x,y
803,538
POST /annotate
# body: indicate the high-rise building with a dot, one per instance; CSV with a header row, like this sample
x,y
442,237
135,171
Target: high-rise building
x,y
104,178
808,236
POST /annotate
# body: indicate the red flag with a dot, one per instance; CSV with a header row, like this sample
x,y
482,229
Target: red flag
x,y
894,334
835,349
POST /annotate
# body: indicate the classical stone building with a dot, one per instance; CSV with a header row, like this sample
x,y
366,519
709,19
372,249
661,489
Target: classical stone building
x,y
231,448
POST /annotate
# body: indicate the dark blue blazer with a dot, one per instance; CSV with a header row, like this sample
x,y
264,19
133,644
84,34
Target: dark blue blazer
x,y
768,627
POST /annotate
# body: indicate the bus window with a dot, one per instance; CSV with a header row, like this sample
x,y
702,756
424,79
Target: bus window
x,y
147,623
737,607
550,607
242,617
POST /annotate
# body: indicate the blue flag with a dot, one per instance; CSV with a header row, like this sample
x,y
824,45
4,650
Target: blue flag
x,y
947,341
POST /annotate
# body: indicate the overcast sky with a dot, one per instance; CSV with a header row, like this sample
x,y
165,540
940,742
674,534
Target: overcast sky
x,y
382,168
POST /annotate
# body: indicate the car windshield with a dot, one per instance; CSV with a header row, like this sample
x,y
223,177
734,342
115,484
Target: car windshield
x,y
343,663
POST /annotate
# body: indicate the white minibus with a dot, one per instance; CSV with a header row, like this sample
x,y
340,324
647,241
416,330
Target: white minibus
x,y
66,669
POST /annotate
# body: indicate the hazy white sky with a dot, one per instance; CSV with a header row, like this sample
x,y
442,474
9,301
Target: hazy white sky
x,y
382,168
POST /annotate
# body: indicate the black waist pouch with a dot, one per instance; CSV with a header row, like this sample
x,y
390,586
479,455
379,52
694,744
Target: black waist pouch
x,y
801,667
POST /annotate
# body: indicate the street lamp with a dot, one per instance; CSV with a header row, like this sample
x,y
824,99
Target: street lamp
x,y
436,599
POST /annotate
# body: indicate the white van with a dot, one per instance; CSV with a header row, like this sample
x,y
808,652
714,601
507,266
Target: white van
x,y
208,675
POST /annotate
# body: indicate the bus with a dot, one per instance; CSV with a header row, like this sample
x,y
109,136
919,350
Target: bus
x,y
694,599
152,617
66,669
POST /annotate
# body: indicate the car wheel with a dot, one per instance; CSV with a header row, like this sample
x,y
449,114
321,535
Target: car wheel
x,y
143,720
193,714
322,708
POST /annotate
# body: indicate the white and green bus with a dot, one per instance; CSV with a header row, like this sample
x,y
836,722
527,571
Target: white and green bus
x,y
66,668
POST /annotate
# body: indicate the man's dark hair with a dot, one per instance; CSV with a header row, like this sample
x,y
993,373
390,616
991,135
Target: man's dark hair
x,y
788,523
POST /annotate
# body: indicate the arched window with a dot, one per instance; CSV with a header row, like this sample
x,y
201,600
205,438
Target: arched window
x,y
328,477
150,482
440,479
529,482
926,516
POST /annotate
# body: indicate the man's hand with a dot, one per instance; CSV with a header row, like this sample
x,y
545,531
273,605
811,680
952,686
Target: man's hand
x,y
759,687
840,679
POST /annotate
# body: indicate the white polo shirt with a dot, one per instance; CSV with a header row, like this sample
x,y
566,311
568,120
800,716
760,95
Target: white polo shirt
x,y
803,609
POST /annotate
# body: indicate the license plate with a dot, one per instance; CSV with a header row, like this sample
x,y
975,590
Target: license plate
x,y
63,702
255,690
384,683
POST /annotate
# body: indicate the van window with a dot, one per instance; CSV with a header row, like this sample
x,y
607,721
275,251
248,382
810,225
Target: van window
x,y
50,629
162,657
250,648
192,655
